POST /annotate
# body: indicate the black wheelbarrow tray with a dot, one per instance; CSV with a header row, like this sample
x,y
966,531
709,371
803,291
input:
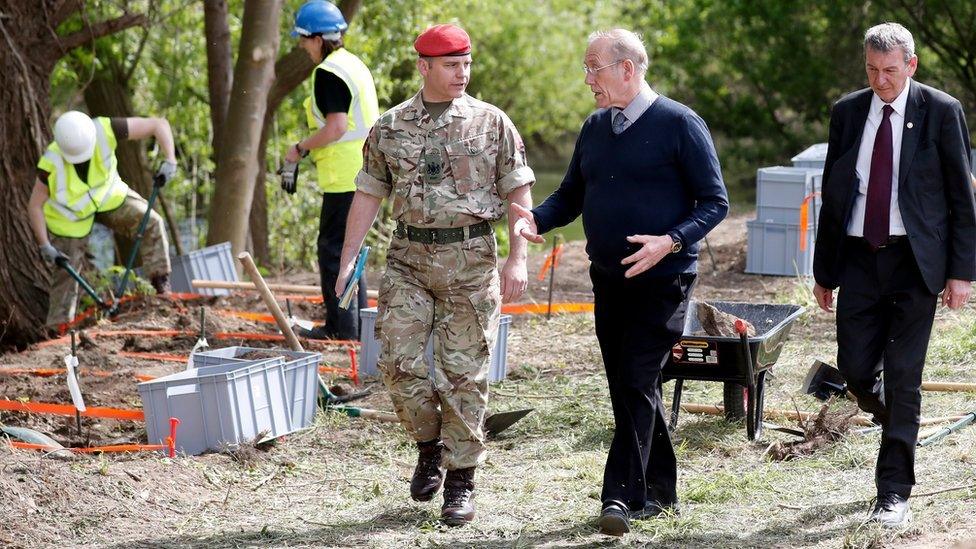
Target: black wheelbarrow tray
x,y
740,362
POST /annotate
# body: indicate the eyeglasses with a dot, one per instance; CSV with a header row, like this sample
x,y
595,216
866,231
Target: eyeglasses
x,y
593,71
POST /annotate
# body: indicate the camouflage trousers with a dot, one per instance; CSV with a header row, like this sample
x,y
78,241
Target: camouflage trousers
x,y
450,293
124,220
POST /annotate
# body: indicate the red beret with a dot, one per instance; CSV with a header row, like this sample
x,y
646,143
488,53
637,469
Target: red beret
x,y
443,40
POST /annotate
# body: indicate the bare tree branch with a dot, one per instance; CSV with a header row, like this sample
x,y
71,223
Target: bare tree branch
x,y
64,11
104,28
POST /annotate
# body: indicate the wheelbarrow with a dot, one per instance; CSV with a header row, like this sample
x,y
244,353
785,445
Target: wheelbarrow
x,y
741,363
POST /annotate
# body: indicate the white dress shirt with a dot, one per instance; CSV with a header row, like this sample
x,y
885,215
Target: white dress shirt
x,y
863,167
637,106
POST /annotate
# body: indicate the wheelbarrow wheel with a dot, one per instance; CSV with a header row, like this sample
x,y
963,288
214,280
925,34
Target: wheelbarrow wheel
x,y
734,397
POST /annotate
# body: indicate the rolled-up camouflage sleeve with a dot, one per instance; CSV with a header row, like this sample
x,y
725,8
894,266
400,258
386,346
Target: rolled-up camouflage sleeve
x,y
511,165
374,178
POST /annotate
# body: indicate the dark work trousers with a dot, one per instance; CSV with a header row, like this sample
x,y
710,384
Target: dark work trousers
x,y
884,319
339,323
637,322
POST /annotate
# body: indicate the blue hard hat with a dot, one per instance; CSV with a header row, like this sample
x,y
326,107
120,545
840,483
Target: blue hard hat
x,y
319,17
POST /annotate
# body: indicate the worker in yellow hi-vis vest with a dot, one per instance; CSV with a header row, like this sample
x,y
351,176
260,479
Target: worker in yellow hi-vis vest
x,y
340,112
78,183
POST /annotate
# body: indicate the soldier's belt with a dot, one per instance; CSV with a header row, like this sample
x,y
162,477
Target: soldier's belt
x,y
441,236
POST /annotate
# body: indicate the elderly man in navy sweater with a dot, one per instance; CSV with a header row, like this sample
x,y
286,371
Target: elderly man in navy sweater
x,y
646,178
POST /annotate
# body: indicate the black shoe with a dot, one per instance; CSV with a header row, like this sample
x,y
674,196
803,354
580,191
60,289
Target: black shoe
x,y
428,476
614,519
653,509
317,332
458,508
160,283
892,511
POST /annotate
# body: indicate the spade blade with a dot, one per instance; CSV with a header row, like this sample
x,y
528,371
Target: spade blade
x,y
496,423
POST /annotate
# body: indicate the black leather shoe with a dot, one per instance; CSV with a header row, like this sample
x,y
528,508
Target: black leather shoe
x,y
653,509
892,511
614,519
428,475
458,508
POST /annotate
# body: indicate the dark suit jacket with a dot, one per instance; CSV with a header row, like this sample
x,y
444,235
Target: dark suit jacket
x,y
934,193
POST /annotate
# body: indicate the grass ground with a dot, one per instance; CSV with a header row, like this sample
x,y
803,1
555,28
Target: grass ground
x,y
344,483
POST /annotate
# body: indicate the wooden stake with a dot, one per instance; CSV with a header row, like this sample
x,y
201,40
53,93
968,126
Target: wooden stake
x,y
252,271
290,288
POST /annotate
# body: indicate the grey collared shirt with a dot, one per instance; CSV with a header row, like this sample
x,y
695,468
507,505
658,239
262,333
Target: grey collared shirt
x,y
637,106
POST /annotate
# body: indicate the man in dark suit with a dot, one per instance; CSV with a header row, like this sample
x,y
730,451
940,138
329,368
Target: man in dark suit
x,y
897,226
646,179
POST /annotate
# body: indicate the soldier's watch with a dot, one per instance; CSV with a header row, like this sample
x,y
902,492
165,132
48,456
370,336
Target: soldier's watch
x,y
676,245
302,152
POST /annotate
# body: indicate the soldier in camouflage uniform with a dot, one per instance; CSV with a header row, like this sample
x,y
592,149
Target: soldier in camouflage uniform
x,y
449,163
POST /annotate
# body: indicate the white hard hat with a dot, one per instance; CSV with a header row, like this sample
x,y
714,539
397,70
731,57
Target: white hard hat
x,y
74,132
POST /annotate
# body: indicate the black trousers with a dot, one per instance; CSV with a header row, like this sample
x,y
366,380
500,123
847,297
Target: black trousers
x,y
339,323
884,320
637,322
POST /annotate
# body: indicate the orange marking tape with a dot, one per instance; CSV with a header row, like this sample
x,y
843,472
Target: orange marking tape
x,y
145,333
552,260
90,449
540,308
805,219
170,444
70,410
39,372
256,317
155,356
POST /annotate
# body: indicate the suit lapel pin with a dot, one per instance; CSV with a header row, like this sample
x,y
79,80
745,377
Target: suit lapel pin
x,y
910,125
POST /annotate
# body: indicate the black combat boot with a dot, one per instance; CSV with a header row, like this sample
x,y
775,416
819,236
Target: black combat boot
x,y
428,475
160,283
458,506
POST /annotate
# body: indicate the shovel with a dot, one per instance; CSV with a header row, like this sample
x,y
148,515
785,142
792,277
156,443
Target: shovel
x,y
496,423
301,323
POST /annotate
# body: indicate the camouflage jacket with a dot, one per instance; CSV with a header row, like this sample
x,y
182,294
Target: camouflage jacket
x,y
450,172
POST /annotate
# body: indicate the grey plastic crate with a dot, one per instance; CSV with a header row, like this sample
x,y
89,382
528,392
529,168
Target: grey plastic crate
x,y
369,348
774,249
779,214
780,191
210,263
812,157
218,406
301,376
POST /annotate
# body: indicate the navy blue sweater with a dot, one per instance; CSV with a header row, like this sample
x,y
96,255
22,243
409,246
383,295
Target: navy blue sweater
x,y
659,175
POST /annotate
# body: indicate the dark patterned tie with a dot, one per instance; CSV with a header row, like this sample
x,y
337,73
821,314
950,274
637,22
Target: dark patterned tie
x,y
619,120
878,208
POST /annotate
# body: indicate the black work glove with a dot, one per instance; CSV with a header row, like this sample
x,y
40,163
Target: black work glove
x,y
289,177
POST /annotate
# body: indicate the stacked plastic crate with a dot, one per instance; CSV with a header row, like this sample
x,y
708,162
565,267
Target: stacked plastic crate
x,y
782,236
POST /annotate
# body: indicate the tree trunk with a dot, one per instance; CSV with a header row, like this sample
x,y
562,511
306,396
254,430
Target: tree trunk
x,y
290,71
27,56
237,164
258,221
220,75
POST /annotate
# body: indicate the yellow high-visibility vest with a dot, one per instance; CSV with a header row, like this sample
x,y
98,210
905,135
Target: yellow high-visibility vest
x,y
71,207
338,163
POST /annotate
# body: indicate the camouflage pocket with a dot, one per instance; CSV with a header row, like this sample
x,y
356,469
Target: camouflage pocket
x,y
470,165
486,303
402,157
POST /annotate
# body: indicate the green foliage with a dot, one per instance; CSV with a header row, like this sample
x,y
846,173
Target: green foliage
x,y
763,74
